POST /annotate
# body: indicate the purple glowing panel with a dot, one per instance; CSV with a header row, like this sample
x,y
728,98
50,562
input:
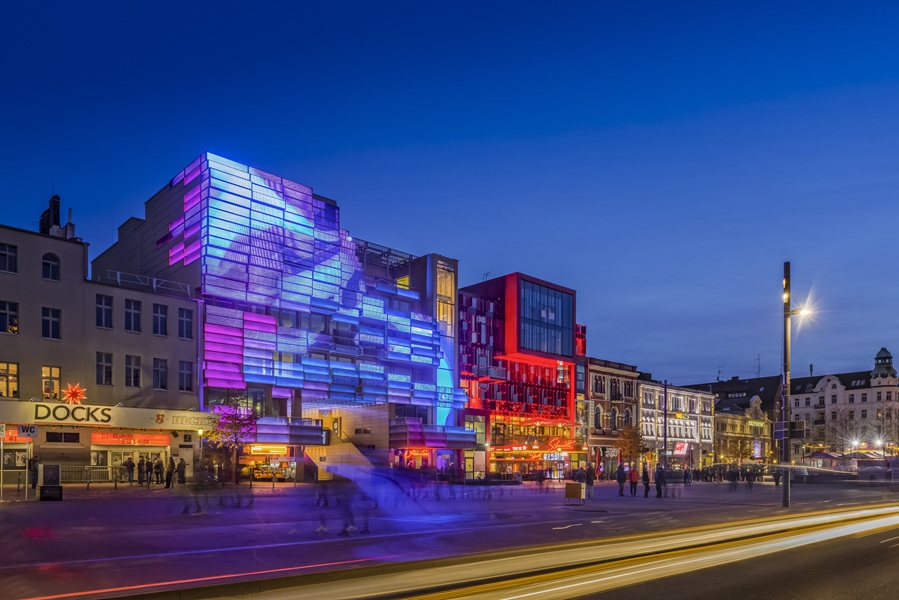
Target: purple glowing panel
x,y
267,244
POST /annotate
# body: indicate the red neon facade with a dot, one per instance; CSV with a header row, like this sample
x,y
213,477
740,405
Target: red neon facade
x,y
517,348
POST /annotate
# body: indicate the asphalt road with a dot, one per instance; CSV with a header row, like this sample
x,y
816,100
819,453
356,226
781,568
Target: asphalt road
x,y
131,542
845,568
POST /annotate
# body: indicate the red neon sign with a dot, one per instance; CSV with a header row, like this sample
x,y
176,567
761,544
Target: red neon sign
x,y
560,444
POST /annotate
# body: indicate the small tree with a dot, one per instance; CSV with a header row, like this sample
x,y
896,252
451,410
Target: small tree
x,y
235,427
630,441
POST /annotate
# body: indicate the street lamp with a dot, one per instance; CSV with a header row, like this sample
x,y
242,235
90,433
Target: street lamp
x,y
200,436
789,311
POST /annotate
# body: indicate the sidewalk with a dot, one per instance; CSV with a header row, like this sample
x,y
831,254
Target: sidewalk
x,y
106,490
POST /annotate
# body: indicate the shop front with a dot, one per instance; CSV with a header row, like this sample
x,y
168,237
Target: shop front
x,y
269,462
93,443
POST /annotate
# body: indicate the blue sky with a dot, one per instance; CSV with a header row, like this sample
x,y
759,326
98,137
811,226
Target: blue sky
x,y
663,159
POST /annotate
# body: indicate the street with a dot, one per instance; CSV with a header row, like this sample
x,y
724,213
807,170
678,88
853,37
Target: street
x,y
132,541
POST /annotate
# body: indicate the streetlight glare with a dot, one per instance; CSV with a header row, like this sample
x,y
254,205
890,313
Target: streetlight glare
x,y
805,311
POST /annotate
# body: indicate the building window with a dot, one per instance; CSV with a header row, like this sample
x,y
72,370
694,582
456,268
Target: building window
x,y
132,315
9,317
851,415
50,267
160,319
132,371
808,401
851,399
51,382
879,396
104,368
864,397
833,415
64,437
796,403
185,376
104,311
160,374
50,318
9,258
889,396
864,414
185,323
9,380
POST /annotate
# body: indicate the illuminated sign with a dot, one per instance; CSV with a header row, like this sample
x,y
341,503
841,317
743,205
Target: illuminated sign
x,y
129,439
560,444
267,449
681,449
417,452
74,394
513,448
679,415
756,423
62,413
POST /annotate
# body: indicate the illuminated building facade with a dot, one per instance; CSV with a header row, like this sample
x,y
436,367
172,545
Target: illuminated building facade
x,y
104,370
301,319
689,414
611,390
517,354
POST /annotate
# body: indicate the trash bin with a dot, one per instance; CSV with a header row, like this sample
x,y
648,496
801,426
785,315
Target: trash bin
x,y
575,491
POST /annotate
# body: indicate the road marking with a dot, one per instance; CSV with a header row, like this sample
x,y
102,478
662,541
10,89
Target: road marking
x,y
567,526
597,521
889,540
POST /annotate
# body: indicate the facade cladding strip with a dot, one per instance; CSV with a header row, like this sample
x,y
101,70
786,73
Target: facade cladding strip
x,y
264,241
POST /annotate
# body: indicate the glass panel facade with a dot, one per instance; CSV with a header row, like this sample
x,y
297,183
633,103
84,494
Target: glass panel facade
x,y
547,323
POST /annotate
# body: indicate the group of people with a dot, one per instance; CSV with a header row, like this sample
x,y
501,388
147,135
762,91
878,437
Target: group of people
x,y
623,474
155,470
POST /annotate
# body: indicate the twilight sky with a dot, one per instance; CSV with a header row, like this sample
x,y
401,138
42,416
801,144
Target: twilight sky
x,y
662,158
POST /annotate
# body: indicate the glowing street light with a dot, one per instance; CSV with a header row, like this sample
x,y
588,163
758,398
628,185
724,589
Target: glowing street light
x,y
787,443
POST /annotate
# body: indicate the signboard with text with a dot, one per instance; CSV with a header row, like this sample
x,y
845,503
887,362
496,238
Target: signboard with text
x,y
51,413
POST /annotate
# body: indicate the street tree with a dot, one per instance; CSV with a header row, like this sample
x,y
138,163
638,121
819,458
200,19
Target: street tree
x,y
236,426
630,442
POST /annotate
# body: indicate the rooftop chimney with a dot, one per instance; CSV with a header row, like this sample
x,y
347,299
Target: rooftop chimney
x,y
50,217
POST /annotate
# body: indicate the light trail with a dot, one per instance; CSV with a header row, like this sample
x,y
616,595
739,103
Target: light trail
x,y
619,562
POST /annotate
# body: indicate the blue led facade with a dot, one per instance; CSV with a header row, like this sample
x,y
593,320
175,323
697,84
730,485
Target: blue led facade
x,y
289,303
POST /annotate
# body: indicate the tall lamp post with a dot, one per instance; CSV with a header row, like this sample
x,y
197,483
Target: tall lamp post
x,y
785,392
200,435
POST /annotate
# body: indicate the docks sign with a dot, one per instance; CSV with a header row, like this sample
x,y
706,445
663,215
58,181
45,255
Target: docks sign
x,y
52,413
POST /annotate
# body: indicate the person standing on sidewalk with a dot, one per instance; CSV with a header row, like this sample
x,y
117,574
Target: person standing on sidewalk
x,y
170,473
590,480
141,470
634,478
660,480
621,477
645,481
181,469
129,469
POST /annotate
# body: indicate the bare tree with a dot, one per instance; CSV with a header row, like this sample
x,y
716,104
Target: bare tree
x,y
235,427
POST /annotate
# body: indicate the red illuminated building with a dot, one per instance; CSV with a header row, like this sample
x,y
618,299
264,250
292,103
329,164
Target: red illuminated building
x,y
517,348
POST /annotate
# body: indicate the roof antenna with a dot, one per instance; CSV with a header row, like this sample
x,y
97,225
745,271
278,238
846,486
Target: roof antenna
x,y
811,369
758,365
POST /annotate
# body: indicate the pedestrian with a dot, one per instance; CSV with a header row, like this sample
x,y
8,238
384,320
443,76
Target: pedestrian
x,y
660,480
157,469
141,470
129,470
181,469
170,473
33,471
687,477
776,477
634,478
581,477
645,481
590,480
621,477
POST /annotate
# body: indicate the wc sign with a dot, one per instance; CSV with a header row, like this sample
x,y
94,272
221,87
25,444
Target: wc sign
x,y
28,431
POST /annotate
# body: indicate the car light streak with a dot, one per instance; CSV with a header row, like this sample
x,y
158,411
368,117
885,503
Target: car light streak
x,y
640,552
210,580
